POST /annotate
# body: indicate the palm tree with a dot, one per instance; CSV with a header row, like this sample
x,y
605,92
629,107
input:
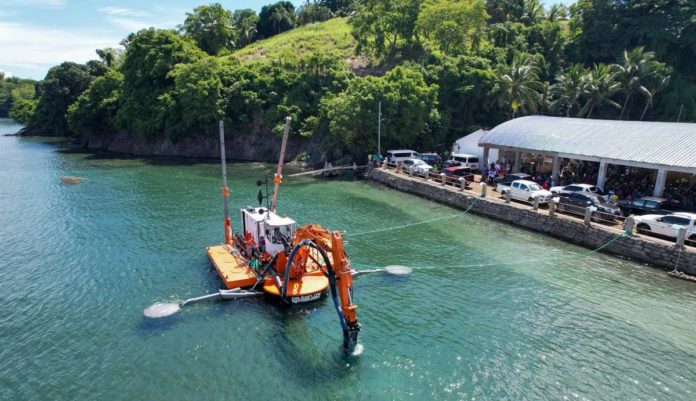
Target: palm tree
x,y
567,89
635,66
598,86
660,80
519,86
282,19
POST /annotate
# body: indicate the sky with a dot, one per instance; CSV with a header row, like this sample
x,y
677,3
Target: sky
x,y
38,34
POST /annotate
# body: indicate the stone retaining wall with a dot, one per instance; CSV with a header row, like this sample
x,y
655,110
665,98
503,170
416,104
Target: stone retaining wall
x,y
644,250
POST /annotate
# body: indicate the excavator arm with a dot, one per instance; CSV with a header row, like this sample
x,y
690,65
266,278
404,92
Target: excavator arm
x,y
343,284
338,271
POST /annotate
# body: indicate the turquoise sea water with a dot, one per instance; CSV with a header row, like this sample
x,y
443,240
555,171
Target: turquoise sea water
x,y
79,263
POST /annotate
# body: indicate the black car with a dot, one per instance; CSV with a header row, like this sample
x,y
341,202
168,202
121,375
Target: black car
x,y
645,205
508,179
432,159
577,202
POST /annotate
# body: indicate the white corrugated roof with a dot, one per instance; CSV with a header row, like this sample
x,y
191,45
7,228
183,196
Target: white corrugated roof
x,y
658,143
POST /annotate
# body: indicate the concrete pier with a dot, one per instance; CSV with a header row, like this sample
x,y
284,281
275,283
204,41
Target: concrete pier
x,y
640,248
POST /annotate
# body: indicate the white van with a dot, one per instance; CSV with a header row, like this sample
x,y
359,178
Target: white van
x,y
395,156
465,160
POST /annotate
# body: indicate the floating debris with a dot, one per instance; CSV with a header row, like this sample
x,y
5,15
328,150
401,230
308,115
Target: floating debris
x,y
68,179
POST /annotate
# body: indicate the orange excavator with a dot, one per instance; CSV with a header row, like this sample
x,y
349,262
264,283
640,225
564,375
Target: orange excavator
x,y
289,264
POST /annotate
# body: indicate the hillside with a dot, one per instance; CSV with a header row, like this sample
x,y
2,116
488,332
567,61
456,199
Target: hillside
x,y
332,37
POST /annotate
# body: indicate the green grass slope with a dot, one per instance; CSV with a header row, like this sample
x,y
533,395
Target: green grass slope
x,y
329,37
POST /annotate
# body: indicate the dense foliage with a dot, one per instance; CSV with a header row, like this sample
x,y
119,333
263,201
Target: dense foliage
x,y
62,86
440,68
276,18
13,91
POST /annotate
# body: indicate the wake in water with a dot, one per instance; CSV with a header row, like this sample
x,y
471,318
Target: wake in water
x,y
160,310
358,350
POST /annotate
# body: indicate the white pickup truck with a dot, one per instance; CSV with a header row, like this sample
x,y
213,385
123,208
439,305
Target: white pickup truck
x,y
525,191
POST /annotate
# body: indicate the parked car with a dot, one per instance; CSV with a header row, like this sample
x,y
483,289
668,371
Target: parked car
x,y
577,188
395,156
418,165
645,205
465,160
431,158
525,191
577,202
459,172
508,179
667,225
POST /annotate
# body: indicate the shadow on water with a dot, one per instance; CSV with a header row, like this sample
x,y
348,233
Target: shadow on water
x,y
314,359
92,154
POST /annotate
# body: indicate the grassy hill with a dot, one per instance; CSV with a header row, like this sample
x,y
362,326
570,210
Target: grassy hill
x,y
329,37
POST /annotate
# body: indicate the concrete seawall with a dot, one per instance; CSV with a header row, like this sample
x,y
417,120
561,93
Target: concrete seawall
x,y
638,248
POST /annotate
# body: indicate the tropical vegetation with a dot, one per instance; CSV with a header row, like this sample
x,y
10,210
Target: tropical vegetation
x,y
439,68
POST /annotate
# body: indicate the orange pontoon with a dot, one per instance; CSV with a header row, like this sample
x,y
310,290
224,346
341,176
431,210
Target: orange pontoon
x,y
294,265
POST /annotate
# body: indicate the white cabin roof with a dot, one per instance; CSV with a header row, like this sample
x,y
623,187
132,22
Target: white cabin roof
x,y
261,214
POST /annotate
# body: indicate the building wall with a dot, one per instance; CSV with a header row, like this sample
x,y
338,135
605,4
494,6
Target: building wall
x,y
654,253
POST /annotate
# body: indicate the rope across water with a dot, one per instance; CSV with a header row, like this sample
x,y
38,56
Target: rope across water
x,y
399,227
413,224
580,255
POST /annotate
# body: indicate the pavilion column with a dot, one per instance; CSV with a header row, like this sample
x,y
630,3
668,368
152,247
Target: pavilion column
x,y
486,150
660,182
516,167
554,167
602,174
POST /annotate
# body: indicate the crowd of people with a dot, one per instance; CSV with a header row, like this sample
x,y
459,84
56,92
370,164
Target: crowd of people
x,y
622,183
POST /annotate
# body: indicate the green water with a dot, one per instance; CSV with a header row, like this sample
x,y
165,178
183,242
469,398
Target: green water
x,y
79,263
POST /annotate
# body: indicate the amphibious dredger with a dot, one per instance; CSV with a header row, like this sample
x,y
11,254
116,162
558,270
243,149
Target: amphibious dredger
x,y
287,263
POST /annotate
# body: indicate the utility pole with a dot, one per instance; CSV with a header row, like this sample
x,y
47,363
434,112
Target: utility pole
x,y
379,129
680,111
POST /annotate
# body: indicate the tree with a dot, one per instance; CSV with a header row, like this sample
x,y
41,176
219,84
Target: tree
x,y
658,80
596,30
598,87
464,87
147,106
336,6
245,22
519,86
313,12
94,112
198,95
276,18
451,23
61,87
23,111
567,89
211,27
557,12
528,12
408,109
635,67
110,56
12,90
379,25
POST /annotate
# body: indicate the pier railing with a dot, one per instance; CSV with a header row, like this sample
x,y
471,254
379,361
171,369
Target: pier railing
x,y
590,215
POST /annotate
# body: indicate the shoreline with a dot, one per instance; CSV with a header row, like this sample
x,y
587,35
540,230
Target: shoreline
x,y
244,148
639,248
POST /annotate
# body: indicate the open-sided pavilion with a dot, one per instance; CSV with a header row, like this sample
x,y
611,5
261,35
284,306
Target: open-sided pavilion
x,y
661,146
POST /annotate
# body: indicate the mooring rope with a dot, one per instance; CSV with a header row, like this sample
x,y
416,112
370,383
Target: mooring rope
x,y
580,255
676,265
380,230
